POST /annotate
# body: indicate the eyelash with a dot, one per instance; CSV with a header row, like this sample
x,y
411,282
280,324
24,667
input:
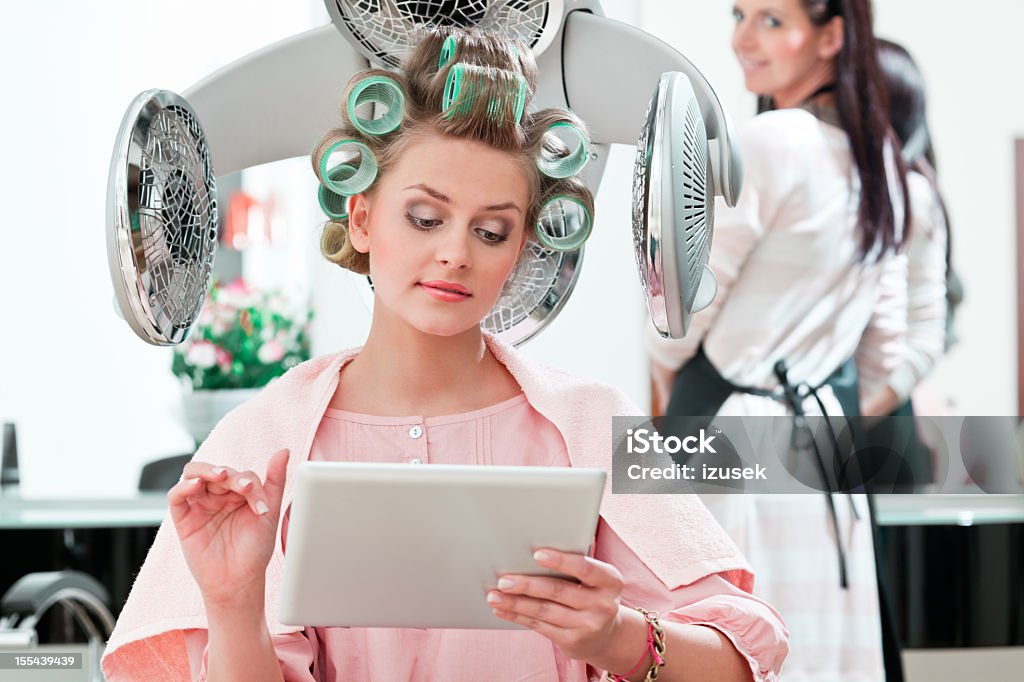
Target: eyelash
x,y
421,224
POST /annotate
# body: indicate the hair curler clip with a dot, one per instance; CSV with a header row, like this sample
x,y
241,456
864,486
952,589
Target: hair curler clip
x,y
465,83
377,90
559,167
333,204
360,180
564,223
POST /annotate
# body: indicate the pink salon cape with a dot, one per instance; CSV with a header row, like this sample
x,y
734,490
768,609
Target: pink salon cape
x,y
673,536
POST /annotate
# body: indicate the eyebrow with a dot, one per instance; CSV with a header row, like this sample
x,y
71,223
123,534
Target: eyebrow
x,y
445,199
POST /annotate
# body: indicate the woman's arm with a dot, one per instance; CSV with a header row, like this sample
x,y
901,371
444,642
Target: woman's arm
x,y
226,522
587,621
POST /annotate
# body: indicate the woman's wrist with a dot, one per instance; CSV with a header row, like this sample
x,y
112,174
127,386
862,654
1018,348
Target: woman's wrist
x,y
628,643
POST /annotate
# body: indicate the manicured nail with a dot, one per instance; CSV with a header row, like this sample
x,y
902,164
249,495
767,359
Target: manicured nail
x,y
244,482
543,556
493,598
506,583
261,507
217,471
194,481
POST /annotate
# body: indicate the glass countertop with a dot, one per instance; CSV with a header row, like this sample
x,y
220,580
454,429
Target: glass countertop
x,y
141,510
949,510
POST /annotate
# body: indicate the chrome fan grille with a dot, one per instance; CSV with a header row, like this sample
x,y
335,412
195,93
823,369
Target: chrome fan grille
x,y
163,208
537,289
641,173
696,205
384,29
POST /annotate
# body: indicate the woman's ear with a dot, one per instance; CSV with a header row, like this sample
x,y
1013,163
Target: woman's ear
x,y
832,38
358,217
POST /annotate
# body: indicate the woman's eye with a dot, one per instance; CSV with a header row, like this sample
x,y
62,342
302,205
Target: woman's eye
x,y
491,237
737,16
422,223
772,22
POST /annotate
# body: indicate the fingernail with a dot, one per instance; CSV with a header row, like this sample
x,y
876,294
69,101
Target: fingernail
x,y
506,583
244,482
542,556
217,471
194,481
261,507
493,598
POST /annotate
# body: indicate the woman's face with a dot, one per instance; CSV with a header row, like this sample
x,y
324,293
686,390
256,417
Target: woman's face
x,y
784,55
443,229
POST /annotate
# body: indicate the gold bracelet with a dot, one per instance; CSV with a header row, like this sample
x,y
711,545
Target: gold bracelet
x,y
655,645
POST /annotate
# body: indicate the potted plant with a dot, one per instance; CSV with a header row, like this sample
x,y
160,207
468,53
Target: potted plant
x,y
244,339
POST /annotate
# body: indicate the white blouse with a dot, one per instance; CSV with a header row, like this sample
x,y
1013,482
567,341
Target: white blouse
x,y
786,259
926,298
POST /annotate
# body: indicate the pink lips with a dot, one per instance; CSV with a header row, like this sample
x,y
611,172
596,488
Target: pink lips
x,y
446,291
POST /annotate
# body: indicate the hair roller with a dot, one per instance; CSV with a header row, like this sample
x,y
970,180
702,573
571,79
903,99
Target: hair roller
x,y
564,223
558,166
380,90
468,85
335,205
360,181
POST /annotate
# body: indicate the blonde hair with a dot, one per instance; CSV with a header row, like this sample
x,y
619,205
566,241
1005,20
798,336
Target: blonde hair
x,y
494,65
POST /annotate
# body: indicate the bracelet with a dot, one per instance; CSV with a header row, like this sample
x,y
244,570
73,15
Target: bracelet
x,y
655,646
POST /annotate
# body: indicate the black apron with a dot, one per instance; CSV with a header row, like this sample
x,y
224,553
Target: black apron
x,y
700,390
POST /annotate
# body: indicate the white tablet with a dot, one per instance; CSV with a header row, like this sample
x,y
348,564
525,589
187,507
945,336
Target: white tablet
x,y
419,545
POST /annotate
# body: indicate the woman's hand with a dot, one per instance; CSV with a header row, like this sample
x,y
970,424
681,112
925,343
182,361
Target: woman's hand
x,y
581,619
227,524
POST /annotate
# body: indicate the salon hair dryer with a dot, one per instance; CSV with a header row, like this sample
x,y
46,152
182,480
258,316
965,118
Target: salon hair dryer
x,y
162,199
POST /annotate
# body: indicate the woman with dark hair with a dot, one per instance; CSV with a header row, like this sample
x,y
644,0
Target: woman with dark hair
x,y
808,274
932,288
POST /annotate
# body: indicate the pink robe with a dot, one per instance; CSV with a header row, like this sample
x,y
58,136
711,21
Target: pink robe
x,y
672,539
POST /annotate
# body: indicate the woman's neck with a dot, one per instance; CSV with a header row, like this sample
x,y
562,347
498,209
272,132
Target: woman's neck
x,y
407,372
798,95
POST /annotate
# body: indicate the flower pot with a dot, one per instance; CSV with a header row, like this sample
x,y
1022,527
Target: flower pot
x,y
204,408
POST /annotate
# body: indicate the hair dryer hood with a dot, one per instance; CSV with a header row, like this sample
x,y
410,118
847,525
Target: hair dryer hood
x,y
673,207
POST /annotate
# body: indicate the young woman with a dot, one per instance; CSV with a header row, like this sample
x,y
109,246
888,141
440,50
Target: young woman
x,y
808,276
462,181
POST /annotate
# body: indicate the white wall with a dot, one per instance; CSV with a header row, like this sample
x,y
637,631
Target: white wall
x,y
93,403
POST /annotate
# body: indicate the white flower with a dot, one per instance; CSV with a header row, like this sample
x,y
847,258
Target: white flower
x,y
202,354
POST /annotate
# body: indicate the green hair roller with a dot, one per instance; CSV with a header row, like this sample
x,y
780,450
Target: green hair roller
x,y
333,204
448,49
377,90
564,223
462,88
566,166
363,177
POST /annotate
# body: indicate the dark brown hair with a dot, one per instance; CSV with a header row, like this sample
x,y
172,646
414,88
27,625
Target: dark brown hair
x,y
494,64
862,105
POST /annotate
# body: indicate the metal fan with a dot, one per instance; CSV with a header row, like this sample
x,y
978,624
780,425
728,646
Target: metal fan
x,y
673,207
285,113
162,217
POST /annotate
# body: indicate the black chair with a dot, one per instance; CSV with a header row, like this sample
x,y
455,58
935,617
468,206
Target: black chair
x,y
161,475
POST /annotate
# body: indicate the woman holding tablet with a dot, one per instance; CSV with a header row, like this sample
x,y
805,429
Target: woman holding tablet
x,y
436,203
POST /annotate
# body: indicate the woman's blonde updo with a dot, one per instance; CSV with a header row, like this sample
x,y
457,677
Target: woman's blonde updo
x,y
494,65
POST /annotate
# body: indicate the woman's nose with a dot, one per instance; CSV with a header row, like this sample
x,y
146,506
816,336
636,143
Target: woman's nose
x,y
453,251
742,37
